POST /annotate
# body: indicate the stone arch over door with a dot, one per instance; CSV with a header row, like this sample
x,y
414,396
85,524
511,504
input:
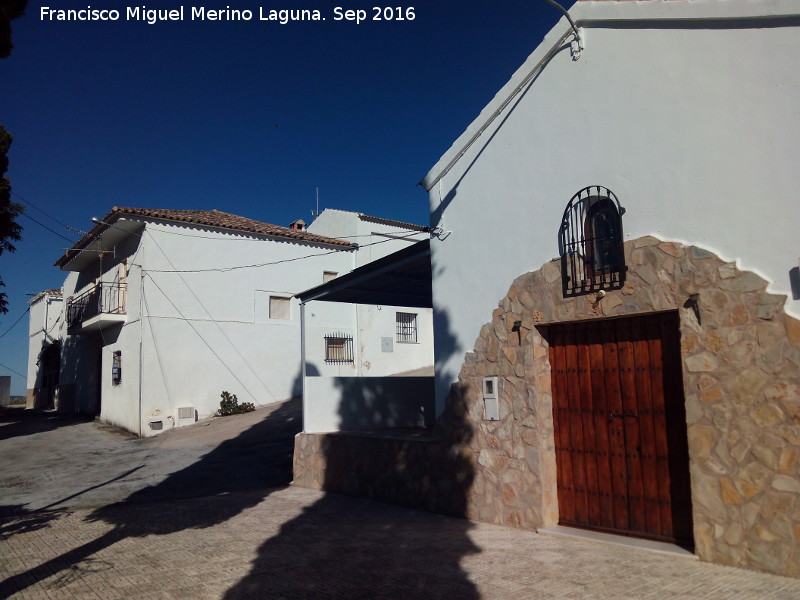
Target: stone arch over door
x,y
740,359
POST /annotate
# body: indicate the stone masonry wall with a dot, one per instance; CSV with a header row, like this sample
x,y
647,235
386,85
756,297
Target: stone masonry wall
x,y
741,373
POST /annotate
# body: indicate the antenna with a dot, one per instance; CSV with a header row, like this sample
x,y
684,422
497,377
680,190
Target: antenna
x,y
315,213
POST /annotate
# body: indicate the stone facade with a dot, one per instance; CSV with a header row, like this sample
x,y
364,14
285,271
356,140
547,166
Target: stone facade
x,y
741,375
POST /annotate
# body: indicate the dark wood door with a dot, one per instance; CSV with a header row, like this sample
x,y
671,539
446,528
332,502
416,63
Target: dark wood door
x,y
620,427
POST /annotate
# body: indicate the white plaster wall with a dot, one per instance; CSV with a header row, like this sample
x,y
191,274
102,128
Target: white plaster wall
x,y
367,324
209,331
43,327
376,322
694,127
375,240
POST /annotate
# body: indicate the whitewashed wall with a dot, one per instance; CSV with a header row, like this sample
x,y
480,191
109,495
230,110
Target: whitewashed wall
x,y
46,313
367,324
692,123
375,240
210,331
196,327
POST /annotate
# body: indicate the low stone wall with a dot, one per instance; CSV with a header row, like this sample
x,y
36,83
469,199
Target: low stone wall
x,y
420,474
741,374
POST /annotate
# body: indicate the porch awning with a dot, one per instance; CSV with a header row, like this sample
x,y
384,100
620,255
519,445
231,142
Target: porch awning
x,y
399,279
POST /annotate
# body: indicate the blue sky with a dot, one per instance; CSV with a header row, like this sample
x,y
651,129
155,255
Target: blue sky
x,y
245,117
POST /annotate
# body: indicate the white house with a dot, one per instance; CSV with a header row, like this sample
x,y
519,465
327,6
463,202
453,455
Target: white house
x,y
371,353
165,309
615,291
44,348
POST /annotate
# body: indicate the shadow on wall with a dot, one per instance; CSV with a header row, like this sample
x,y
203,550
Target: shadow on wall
x,y
81,372
359,549
45,384
240,472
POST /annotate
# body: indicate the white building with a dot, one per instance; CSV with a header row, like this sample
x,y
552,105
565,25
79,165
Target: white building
x,y
168,308
615,270
374,354
44,348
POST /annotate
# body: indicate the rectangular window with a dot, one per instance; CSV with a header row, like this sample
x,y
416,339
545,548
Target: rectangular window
x,y
406,328
338,349
280,308
328,275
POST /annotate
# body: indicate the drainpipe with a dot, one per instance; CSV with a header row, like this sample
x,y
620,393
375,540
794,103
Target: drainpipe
x,y
141,347
303,359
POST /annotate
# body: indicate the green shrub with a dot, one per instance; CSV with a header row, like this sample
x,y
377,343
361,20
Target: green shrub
x,y
229,405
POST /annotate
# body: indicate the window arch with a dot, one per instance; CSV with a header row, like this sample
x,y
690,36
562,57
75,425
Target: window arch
x,y
590,242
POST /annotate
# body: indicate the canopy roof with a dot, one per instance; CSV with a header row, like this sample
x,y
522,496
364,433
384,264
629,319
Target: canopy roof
x,y
399,279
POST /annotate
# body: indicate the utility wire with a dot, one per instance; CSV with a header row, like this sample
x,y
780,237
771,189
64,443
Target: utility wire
x,y
277,262
32,205
222,331
12,370
209,346
15,324
24,214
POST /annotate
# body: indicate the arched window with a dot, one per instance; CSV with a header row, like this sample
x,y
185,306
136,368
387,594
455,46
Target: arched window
x,y
590,242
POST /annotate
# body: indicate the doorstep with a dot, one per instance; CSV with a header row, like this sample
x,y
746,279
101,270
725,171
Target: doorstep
x,y
618,540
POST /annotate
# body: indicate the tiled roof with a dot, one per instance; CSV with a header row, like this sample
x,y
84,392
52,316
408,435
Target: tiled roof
x,y
211,218
382,221
44,293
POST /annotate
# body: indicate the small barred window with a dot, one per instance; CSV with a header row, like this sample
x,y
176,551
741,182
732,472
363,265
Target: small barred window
x,y
590,243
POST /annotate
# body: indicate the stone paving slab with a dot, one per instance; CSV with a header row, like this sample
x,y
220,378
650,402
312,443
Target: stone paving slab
x,y
49,460
298,543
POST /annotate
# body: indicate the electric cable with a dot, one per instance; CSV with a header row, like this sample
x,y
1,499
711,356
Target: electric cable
x,y
12,370
32,205
277,262
27,310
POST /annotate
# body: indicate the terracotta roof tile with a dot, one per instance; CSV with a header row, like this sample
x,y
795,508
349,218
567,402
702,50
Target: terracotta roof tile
x,y
211,218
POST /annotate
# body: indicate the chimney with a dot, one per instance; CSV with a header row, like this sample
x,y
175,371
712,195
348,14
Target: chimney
x,y
299,225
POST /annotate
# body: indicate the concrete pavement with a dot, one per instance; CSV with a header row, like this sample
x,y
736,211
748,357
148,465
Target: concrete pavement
x,y
191,528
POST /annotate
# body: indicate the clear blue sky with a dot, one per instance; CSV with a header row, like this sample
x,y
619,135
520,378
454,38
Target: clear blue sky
x,y
245,117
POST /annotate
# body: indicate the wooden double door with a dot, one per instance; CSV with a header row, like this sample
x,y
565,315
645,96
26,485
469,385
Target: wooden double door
x,y
620,427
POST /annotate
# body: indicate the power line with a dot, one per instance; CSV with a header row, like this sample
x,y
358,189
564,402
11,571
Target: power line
x,y
208,345
13,371
15,323
222,331
277,262
32,205
48,229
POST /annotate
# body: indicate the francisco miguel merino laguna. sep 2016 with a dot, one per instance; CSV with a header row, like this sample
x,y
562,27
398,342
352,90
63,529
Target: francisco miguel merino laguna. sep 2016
x,y
195,13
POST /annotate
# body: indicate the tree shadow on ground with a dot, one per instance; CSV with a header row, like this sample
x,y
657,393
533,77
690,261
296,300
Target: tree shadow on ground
x,y
245,470
353,548
15,520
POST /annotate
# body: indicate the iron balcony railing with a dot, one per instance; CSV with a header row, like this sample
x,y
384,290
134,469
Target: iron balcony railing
x,y
104,298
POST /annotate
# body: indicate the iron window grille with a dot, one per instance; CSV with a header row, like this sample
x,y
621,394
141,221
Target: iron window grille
x,y
406,328
338,349
590,243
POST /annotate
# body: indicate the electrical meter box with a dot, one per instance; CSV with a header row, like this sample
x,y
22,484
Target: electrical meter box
x,y
491,398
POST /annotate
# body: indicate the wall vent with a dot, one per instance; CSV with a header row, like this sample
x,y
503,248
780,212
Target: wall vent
x,y
156,425
186,415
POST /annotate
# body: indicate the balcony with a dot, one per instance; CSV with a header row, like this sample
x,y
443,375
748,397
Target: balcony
x,y
97,308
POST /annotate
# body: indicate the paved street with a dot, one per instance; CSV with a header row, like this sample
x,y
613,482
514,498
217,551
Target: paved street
x,y
206,512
